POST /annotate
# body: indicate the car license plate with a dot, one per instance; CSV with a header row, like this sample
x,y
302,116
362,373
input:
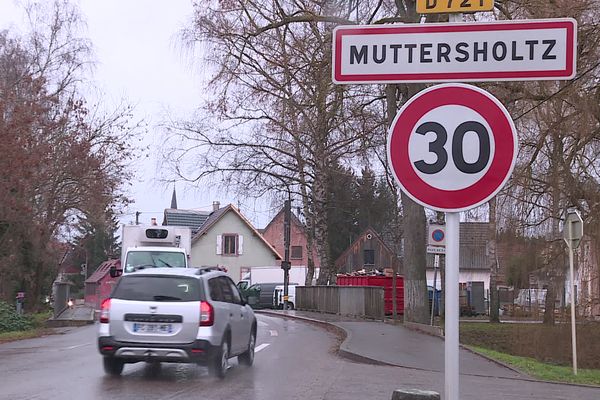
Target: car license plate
x,y
152,328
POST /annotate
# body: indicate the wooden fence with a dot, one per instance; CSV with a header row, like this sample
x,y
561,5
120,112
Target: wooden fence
x,y
357,301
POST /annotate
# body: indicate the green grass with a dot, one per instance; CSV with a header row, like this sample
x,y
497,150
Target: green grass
x,y
39,319
20,335
38,329
539,370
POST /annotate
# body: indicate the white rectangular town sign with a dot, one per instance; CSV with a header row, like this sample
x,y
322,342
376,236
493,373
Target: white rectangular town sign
x,y
467,52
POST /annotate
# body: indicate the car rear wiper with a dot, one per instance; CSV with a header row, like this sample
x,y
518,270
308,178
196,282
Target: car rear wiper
x,y
162,297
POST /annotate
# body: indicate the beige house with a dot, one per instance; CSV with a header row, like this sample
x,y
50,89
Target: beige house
x,y
229,240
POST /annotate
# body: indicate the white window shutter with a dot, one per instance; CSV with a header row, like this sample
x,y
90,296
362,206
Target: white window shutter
x,y
240,244
219,244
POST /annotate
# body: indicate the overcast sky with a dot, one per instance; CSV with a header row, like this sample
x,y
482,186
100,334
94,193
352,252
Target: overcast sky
x,y
139,59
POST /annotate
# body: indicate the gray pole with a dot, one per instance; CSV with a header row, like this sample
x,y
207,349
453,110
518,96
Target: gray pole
x,y
285,265
573,330
451,363
451,334
436,263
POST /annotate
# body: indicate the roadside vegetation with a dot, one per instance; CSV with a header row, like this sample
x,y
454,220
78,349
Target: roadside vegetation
x,y
543,371
539,350
14,326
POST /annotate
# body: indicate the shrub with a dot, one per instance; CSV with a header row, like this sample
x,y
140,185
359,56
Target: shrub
x,y
10,321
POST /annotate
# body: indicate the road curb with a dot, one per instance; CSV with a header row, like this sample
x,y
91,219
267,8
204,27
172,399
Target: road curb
x,y
60,323
343,349
427,329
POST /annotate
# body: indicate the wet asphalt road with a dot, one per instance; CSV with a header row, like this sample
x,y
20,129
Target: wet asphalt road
x,y
295,360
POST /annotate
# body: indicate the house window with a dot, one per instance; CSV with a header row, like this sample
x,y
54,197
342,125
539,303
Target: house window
x,y
230,244
296,252
369,257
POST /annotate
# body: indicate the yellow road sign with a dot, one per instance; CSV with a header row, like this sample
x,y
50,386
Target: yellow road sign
x,y
453,6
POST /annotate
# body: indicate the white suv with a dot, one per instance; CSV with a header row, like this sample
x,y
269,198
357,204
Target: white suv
x,y
187,315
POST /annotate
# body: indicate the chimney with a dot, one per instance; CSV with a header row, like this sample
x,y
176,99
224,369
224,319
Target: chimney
x,y
216,205
153,221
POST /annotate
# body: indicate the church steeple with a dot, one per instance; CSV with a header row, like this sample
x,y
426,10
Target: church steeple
x,y
174,198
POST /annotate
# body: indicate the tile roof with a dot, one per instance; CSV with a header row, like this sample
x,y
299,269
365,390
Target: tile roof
x,y
193,219
218,214
210,221
103,270
294,220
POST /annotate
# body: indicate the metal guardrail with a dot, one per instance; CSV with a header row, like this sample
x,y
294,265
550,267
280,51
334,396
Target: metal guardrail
x,y
357,301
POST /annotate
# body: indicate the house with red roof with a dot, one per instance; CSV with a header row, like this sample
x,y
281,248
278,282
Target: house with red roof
x,y
100,284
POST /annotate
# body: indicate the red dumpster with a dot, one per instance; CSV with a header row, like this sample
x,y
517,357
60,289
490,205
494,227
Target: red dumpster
x,y
376,280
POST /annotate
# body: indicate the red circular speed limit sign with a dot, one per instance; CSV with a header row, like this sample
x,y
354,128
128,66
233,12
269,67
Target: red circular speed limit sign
x,y
452,147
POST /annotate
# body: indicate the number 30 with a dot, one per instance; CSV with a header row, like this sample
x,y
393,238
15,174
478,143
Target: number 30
x,y
437,147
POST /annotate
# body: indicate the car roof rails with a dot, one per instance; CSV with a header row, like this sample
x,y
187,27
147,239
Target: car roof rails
x,y
207,268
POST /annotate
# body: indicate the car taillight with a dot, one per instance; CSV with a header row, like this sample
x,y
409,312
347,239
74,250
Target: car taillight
x,y
104,311
207,314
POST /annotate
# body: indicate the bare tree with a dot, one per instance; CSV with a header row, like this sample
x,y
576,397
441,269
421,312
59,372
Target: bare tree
x,y
559,138
58,158
280,124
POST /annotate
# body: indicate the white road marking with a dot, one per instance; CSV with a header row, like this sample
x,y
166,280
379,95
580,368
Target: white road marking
x,y
274,333
79,345
260,347
262,323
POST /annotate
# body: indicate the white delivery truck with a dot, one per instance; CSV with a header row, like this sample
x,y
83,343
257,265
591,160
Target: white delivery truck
x,y
274,274
278,296
150,246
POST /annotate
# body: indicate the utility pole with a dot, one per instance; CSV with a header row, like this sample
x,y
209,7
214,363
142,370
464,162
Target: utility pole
x,y
137,217
285,264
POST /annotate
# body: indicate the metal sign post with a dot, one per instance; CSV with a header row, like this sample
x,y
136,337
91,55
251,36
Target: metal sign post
x,y
573,330
436,246
436,265
572,234
451,346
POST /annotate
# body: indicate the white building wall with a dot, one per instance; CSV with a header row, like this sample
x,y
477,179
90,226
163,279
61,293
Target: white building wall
x,y
464,276
255,253
275,274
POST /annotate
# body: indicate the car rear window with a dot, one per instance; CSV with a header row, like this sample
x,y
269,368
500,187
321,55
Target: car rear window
x,y
158,288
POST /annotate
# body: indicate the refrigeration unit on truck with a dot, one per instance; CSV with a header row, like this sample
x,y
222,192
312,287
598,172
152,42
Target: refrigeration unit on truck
x,y
150,246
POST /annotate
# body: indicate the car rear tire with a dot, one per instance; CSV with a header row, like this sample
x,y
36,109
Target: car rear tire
x,y
220,363
113,366
247,358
